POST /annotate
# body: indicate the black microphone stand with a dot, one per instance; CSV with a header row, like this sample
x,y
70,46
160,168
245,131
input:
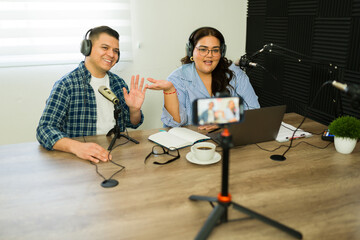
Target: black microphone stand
x,y
116,130
220,212
245,62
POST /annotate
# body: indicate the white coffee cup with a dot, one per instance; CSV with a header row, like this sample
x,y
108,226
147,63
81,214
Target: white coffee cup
x,y
203,151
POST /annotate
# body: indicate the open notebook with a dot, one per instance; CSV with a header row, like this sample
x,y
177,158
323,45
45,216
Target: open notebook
x,y
259,125
177,137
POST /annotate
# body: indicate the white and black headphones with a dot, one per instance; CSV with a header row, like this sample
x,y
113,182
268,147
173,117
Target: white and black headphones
x,y
190,44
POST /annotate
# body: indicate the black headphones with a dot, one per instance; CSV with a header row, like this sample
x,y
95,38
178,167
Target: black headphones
x,y
190,45
86,46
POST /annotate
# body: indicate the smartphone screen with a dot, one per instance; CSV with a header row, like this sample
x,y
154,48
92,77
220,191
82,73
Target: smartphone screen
x,y
222,110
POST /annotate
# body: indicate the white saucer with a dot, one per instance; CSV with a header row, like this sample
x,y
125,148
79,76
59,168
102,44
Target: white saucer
x,y
191,158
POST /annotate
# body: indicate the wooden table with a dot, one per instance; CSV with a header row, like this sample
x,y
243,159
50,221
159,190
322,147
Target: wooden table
x,y
55,195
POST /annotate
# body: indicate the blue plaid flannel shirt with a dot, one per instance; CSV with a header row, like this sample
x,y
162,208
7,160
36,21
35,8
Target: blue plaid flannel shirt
x,y
70,110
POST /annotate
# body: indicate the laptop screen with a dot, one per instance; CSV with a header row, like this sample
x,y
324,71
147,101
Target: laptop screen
x,y
259,125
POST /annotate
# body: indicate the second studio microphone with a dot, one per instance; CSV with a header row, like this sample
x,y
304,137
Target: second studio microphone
x,y
244,62
108,94
351,90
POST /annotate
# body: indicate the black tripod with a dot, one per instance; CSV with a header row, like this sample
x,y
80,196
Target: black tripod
x,y
220,212
116,130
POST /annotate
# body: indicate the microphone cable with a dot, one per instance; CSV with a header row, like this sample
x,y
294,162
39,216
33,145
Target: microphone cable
x,y
282,145
282,157
110,182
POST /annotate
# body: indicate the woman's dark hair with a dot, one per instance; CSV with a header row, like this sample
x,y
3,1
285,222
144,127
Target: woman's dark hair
x,y
222,75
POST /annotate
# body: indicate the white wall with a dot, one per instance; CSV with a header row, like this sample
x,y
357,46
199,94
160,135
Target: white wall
x,y
160,30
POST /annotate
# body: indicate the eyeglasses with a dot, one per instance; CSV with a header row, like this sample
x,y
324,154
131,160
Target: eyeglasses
x,y
204,51
159,150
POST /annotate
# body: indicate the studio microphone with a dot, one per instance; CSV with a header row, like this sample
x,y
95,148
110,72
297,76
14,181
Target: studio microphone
x,y
351,90
244,62
109,95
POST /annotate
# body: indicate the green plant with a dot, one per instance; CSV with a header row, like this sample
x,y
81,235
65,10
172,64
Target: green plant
x,y
345,126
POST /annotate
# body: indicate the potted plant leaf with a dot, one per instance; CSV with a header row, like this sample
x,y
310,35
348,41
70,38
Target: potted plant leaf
x,y
346,130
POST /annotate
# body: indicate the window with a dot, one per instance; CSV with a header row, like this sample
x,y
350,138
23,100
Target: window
x,y
46,32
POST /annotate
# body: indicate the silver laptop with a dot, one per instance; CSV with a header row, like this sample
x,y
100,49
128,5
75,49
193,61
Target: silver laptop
x,y
259,125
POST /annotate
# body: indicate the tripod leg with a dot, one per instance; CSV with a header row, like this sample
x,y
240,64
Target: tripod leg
x,y
267,220
116,136
211,221
203,198
129,138
112,143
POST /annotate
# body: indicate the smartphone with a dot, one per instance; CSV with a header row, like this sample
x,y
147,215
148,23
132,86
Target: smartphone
x,y
219,110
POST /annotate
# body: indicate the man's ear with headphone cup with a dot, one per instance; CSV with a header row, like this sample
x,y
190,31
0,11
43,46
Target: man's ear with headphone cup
x,y
86,47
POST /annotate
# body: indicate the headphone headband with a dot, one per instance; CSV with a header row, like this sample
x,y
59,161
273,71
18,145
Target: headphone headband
x,y
88,32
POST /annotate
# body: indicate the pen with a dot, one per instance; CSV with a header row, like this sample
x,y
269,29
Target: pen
x,y
295,137
214,130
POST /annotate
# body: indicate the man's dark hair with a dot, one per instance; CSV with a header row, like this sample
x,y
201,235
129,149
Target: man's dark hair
x,y
95,32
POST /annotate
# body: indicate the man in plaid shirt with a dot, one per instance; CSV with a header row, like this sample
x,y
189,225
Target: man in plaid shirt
x,y
75,108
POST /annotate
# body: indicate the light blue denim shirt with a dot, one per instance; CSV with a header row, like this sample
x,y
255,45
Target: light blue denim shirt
x,y
189,87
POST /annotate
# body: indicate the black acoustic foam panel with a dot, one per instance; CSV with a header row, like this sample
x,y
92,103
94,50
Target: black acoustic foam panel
x,y
327,32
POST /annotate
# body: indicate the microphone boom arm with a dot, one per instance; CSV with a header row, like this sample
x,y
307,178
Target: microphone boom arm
x,y
285,52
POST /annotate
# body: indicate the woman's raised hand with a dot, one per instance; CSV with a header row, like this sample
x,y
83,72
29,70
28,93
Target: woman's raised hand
x,y
160,85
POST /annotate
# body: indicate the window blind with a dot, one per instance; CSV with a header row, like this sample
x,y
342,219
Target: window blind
x,y
47,32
